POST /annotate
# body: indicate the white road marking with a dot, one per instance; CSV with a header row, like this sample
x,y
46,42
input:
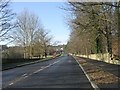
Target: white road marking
x,y
56,62
47,66
24,74
38,71
50,64
44,67
35,72
11,83
91,82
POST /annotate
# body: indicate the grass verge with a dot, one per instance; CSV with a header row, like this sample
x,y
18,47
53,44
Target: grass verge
x,y
102,78
7,66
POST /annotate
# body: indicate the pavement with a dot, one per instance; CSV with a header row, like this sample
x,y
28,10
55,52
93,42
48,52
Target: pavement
x,y
112,68
62,72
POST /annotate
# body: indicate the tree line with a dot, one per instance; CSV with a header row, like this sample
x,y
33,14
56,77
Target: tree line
x,y
25,30
95,28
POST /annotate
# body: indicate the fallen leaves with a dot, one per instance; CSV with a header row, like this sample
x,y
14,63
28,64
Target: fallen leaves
x,y
97,74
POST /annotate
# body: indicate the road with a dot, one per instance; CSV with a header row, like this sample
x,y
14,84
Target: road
x,y
63,72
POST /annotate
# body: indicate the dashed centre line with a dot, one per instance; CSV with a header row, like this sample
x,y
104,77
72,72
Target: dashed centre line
x,y
11,83
38,71
24,74
27,75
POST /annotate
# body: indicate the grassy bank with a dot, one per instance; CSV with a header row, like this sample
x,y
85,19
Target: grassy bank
x,y
22,62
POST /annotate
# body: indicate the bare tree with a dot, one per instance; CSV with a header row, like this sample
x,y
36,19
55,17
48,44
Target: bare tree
x,y
6,17
44,39
96,25
27,27
31,35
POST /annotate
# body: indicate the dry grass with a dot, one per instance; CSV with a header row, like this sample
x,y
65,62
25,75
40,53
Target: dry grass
x,y
97,74
101,77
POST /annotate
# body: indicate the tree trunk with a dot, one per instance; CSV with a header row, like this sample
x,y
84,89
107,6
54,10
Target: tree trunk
x,y
109,43
109,38
119,31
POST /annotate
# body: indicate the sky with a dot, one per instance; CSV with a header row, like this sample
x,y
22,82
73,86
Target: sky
x,y
50,15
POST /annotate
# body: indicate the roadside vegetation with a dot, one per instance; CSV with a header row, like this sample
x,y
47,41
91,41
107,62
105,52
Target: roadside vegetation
x,y
100,73
95,40
31,41
95,30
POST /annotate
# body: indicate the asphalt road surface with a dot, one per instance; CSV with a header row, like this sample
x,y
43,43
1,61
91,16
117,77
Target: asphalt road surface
x,y
63,72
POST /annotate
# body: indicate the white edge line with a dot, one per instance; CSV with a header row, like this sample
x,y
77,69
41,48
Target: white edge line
x,y
91,82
